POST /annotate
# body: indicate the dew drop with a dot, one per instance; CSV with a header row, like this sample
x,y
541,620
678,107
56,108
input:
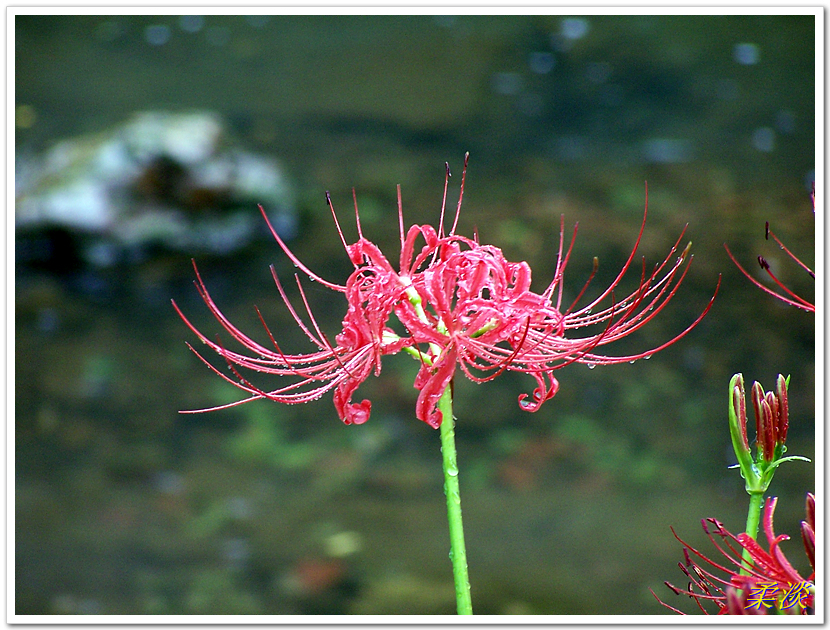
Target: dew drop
x,y
452,471
632,361
591,366
647,357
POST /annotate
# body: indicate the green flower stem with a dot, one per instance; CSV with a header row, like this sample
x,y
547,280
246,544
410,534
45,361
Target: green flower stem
x,y
458,553
753,519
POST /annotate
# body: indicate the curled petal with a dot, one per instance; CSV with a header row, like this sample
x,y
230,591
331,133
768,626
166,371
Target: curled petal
x,y
356,414
408,265
352,413
544,392
432,380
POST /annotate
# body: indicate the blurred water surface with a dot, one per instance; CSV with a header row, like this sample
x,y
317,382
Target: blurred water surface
x,y
123,506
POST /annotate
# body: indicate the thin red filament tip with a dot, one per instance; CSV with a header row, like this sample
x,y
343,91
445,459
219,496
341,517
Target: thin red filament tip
x,y
460,194
336,222
357,215
400,217
791,255
444,201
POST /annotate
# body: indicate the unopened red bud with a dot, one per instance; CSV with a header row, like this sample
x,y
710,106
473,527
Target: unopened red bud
x,y
739,407
783,409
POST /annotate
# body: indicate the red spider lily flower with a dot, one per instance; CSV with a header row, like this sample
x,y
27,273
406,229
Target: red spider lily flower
x,y
766,581
462,304
787,296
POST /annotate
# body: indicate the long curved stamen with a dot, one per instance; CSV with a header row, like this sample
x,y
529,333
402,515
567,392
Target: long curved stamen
x,y
460,194
291,310
627,264
357,215
505,363
444,201
769,233
673,340
800,302
561,262
336,222
645,289
226,324
296,260
400,219
291,367
594,269
765,266
317,328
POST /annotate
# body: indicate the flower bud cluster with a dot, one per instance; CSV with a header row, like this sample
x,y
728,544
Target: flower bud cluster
x,y
771,423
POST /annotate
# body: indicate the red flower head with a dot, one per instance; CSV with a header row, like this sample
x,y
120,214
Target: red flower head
x,y
767,580
462,304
